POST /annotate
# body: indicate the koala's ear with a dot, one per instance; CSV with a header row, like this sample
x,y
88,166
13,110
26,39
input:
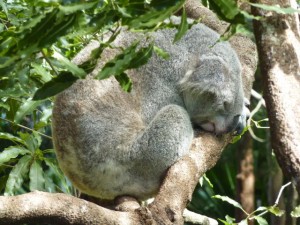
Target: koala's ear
x,y
206,75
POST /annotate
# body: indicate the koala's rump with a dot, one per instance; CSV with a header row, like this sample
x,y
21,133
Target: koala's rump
x,y
90,120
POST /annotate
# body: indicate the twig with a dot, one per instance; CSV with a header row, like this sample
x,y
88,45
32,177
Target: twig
x,y
196,218
27,128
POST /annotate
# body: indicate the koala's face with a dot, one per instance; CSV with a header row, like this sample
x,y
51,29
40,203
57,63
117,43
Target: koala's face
x,y
214,98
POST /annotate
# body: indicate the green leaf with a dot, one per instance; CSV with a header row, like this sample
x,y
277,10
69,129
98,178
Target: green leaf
x,y
36,176
261,220
161,52
17,175
67,64
124,81
55,86
152,18
40,73
230,201
12,152
276,8
229,219
243,222
12,138
51,163
183,27
141,57
296,212
72,8
32,141
120,63
226,223
5,106
226,9
207,180
275,210
26,108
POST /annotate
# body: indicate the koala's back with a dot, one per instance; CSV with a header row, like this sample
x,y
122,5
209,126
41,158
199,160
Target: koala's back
x,y
97,127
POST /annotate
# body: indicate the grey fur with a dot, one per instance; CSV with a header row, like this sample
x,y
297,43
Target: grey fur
x,y
112,143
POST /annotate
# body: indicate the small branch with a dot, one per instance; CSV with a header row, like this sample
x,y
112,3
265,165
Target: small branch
x,y
195,218
49,62
280,192
276,202
27,128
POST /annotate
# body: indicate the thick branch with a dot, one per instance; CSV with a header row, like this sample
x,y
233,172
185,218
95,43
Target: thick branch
x,y
279,52
58,209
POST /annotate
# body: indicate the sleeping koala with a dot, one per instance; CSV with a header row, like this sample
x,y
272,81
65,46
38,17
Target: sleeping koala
x,y
112,143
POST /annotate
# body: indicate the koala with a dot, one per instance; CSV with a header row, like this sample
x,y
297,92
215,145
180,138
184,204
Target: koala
x,y
111,143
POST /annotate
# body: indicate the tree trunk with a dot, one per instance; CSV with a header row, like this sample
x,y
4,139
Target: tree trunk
x,y
277,37
245,178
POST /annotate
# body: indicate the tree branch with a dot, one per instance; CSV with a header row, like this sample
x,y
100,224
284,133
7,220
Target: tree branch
x,y
278,41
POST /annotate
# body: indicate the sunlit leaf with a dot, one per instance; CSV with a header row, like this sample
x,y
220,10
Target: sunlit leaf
x,y
183,27
26,108
296,212
36,176
17,175
229,200
261,220
161,52
276,8
275,210
12,152
124,81
32,140
11,137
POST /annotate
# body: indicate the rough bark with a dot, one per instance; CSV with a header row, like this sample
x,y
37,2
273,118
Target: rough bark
x,y
245,178
277,37
174,194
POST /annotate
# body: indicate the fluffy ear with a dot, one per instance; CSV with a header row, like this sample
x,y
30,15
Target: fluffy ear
x,y
209,75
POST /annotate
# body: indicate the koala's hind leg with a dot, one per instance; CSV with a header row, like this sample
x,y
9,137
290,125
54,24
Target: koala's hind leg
x,y
167,138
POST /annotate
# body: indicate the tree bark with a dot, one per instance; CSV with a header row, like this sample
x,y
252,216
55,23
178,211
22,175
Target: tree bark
x,y
277,37
245,178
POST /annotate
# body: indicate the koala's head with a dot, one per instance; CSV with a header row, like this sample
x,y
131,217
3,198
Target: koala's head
x,y
213,95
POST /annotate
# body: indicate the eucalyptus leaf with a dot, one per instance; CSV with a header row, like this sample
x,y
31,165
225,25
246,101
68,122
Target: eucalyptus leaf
x,y
40,73
296,212
275,210
124,81
12,152
78,72
183,27
16,176
36,176
229,200
11,137
261,220
276,8
32,141
55,86
26,108
161,52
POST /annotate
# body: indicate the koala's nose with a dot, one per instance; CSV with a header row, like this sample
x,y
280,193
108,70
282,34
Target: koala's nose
x,y
239,128
242,119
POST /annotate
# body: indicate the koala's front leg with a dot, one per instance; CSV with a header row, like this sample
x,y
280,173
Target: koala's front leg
x,y
167,138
